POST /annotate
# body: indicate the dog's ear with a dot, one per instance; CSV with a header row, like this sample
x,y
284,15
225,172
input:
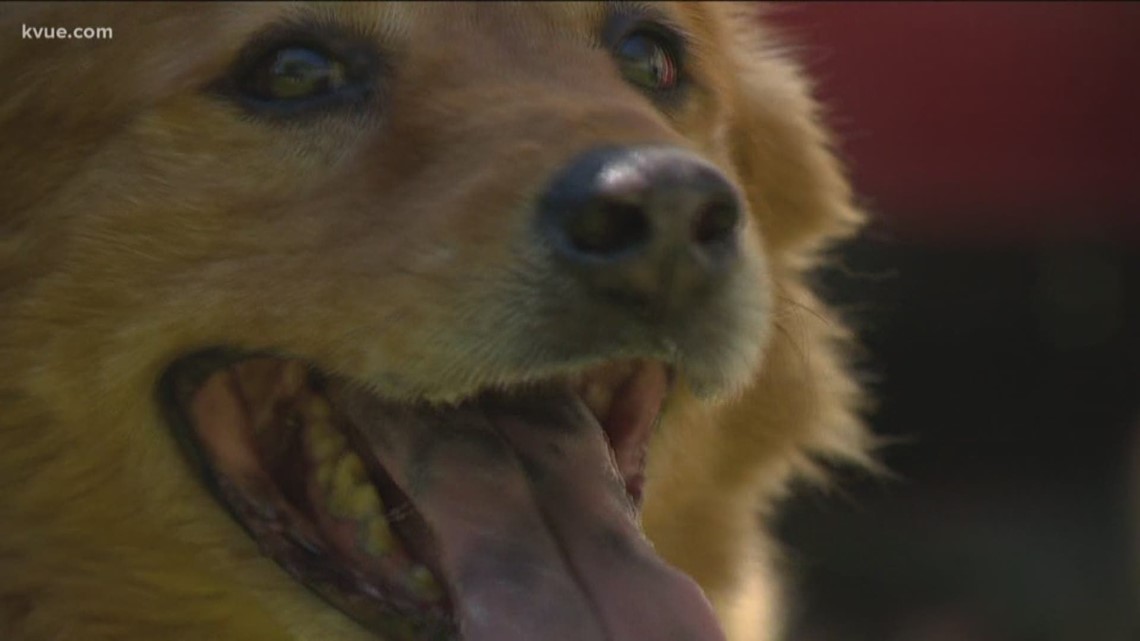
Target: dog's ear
x,y
783,153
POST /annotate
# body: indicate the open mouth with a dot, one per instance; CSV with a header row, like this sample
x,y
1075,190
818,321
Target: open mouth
x,y
509,516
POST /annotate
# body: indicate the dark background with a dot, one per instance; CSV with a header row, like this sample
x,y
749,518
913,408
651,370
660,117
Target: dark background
x,y
997,146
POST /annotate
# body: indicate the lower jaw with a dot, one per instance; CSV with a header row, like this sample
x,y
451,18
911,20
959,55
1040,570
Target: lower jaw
x,y
305,478
266,444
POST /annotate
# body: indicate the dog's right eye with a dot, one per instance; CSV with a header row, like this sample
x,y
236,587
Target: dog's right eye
x,y
649,60
303,70
294,73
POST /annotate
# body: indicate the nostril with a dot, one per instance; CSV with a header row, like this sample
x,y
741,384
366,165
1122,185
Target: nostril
x,y
716,222
608,229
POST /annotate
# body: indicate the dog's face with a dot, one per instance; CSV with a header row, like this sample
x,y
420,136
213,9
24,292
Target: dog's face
x,y
416,289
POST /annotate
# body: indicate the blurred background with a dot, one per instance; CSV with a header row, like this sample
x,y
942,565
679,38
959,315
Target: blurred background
x,y
997,293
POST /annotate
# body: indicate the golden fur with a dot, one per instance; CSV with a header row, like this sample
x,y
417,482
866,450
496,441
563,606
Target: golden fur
x,y
141,217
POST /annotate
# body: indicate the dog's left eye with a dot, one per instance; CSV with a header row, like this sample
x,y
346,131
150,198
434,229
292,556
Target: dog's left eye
x,y
649,59
295,73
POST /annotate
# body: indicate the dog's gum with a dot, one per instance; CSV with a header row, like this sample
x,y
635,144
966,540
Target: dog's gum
x,y
325,474
292,378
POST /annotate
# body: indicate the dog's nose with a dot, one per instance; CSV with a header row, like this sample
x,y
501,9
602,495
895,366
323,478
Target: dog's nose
x,y
650,225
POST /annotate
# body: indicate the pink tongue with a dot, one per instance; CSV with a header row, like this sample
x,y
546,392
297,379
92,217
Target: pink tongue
x,y
534,533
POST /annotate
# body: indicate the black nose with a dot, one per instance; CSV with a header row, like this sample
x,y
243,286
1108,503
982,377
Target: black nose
x,y
654,225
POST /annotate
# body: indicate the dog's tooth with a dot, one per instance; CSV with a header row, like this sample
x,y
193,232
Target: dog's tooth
x,y
598,398
349,471
317,410
326,441
423,583
361,503
346,477
324,445
377,536
364,503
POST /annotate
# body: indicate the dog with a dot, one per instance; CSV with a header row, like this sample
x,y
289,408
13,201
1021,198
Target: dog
x,y
481,321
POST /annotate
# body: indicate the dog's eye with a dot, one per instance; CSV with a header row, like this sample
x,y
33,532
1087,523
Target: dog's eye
x,y
295,73
649,59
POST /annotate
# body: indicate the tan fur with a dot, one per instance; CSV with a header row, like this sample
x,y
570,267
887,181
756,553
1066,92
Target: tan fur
x,y
141,217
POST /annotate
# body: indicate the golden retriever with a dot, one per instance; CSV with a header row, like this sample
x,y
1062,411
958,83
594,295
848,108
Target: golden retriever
x,y
395,321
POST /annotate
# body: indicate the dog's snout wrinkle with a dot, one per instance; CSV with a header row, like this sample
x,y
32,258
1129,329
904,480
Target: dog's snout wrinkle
x,y
651,225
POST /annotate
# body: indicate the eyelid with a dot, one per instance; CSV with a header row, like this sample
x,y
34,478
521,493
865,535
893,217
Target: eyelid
x,y
625,18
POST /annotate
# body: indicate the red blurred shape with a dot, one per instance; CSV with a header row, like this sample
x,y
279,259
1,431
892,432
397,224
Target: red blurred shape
x,y
983,120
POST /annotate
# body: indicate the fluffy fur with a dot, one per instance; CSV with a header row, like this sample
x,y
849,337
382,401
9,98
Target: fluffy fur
x,y
142,215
